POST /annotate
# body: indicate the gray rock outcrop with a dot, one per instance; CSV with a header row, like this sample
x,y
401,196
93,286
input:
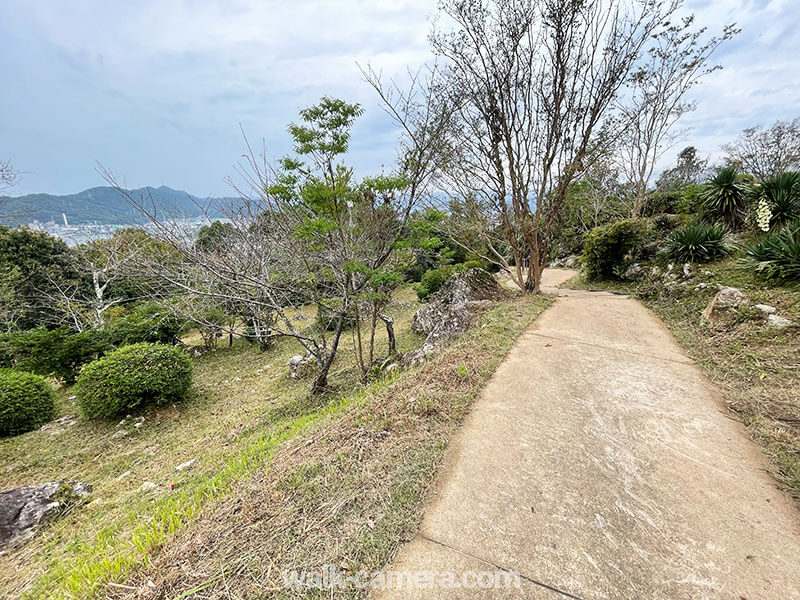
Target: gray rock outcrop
x,y
451,310
23,509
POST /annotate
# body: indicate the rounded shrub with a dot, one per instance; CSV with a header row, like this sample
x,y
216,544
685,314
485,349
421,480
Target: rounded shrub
x,y
609,247
132,377
26,401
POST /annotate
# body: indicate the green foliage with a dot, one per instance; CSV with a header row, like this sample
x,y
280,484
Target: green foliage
x,y
51,352
776,255
26,402
132,377
147,322
609,247
61,352
782,192
433,280
39,260
698,242
726,196
214,237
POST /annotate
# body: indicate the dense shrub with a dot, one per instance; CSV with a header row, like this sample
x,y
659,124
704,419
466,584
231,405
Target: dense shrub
x,y
609,247
777,255
698,242
132,377
433,279
665,223
26,402
52,352
147,322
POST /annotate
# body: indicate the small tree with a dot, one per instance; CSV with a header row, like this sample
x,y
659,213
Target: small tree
x,y
306,233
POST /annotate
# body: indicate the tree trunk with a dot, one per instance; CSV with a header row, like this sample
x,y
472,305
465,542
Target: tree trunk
x,y
324,362
390,333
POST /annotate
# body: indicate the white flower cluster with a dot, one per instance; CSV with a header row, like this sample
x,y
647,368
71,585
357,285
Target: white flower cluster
x,y
763,214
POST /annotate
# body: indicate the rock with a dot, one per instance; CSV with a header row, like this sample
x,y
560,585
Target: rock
x,y
687,270
766,309
22,509
632,272
148,486
702,286
779,322
469,286
119,434
188,464
727,301
451,310
123,476
301,366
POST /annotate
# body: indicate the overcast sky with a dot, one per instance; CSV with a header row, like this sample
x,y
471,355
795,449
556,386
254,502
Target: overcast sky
x,y
155,90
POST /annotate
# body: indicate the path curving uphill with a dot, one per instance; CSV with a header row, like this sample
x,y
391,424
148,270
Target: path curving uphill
x,y
599,462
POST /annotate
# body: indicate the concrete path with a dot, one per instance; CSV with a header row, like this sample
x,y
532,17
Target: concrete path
x,y
600,463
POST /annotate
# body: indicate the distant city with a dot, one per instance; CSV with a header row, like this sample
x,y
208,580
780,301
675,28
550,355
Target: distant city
x,y
81,233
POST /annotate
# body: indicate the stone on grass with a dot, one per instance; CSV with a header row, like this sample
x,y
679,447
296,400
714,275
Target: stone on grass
x,y
766,309
23,509
779,322
470,286
451,310
726,302
148,486
301,366
187,465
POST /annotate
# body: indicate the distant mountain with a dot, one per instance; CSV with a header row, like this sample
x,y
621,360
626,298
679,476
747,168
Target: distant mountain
x,y
105,205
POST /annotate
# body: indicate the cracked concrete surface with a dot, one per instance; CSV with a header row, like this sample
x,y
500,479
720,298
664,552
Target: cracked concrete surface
x,y
600,463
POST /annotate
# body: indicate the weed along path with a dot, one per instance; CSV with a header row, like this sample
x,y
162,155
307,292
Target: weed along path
x,y
600,463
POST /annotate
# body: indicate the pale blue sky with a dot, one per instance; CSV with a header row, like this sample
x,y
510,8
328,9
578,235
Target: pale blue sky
x,y
155,89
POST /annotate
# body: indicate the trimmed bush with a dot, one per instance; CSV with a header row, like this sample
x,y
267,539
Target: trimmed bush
x,y
777,255
609,247
132,377
26,402
698,242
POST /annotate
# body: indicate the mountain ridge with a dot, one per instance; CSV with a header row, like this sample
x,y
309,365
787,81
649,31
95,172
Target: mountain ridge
x,y
105,205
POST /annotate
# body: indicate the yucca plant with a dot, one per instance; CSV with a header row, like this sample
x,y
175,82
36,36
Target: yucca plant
x,y
726,195
782,193
699,242
777,255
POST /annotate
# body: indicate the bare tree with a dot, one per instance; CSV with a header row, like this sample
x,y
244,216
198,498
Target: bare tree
x,y
534,82
9,177
676,62
765,152
83,303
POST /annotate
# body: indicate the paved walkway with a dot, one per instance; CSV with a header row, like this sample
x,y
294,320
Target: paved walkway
x,y
600,463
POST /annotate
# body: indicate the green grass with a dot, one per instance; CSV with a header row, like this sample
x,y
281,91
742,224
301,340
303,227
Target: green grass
x,y
346,491
756,367
236,419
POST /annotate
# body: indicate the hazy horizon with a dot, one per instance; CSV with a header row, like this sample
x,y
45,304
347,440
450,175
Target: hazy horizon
x,y
156,91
